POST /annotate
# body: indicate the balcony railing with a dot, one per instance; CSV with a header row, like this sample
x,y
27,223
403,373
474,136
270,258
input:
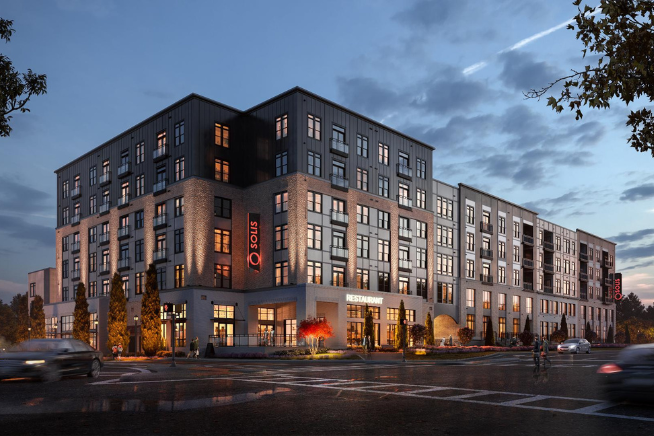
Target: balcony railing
x,y
339,182
123,264
76,192
548,289
548,268
339,147
123,232
404,202
340,253
608,281
160,186
607,263
486,227
75,219
406,234
74,247
125,169
160,152
159,256
104,268
404,171
527,263
583,257
529,240
339,283
105,178
338,217
74,274
549,246
103,238
123,201
486,254
404,291
527,286
159,221
488,280
583,277
405,264
104,207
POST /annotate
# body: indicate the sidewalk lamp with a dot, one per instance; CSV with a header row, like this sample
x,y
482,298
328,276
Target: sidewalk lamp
x,y
29,333
95,325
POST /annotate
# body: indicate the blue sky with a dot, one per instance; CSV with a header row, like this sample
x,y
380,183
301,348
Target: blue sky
x,y
111,64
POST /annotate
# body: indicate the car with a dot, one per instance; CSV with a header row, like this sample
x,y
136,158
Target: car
x,y
574,345
631,376
50,359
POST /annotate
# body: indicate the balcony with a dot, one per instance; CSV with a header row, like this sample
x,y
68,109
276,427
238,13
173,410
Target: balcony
x,y
105,178
338,147
608,281
124,170
338,217
548,268
548,289
74,220
486,227
74,247
104,208
159,187
405,234
485,254
404,291
526,239
75,274
526,286
486,280
160,153
159,256
528,263
159,221
583,295
104,269
404,202
339,182
103,238
583,257
549,246
405,265
123,201
339,253
75,192
404,172
123,264
606,263
583,277
123,232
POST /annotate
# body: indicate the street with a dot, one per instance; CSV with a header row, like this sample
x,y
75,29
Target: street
x,y
500,394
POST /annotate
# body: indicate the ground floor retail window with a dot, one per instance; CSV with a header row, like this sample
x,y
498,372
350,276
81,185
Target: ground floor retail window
x,y
516,327
470,322
390,334
354,333
290,332
180,333
224,332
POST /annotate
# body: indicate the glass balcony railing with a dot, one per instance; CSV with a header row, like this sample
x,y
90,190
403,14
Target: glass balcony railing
x,y
404,201
339,217
339,147
339,181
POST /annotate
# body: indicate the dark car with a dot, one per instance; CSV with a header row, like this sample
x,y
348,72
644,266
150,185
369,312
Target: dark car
x,y
50,359
632,375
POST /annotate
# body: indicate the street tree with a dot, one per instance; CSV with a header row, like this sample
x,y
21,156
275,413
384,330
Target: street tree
x,y
429,332
312,330
417,333
465,335
15,89
401,330
20,308
81,316
368,327
37,317
621,39
150,315
564,326
609,335
8,323
627,336
489,337
629,307
527,325
117,316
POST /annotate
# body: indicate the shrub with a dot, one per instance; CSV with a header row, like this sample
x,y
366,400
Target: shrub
x,y
164,353
526,337
489,339
620,337
609,335
558,336
465,335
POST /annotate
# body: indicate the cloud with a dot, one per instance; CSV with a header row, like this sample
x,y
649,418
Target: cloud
x,y
453,94
18,197
636,236
635,253
9,289
431,15
642,192
369,96
19,229
521,73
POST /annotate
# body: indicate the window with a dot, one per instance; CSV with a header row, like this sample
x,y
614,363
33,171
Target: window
x,y
486,300
314,272
363,214
138,250
516,229
314,237
221,135
222,170
501,302
470,241
470,214
64,189
470,297
363,279
444,236
383,282
140,185
421,198
281,273
93,174
179,169
501,250
383,251
93,262
222,207
529,302
281,237
281,163
362,179
139,280
138,219
444,207
362,145
383,186
315,164
470,322
179,276
383,220
557,263
421,169
179,133
516,254
314,202
93,290
383,154
161,139
93,204
281,127
281,202
338,276
179,240
421,229
403,191
421,288
501,225
222,276
470,268
64,244
444,293
106,287
64,216
64,269
93,234
501,274
558,243
444,264
516,277
314,127
363,247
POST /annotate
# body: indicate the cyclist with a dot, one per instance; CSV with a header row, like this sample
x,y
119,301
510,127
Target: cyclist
x,y
536,351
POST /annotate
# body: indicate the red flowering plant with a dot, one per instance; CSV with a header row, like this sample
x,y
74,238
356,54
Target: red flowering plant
x,y
312,330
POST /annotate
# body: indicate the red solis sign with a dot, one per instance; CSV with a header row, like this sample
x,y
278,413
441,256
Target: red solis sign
x,y
617,286
254,236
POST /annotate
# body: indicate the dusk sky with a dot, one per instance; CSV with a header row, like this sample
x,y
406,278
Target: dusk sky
x,y
450,73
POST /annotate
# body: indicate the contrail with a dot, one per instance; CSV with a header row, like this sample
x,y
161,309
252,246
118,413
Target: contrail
x,y
481,65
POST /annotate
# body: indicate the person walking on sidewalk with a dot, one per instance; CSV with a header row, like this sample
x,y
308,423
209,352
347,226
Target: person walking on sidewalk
x,y
191,352
536,351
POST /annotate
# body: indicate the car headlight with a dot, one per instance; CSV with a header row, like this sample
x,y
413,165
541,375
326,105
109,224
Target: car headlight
x,y
34,362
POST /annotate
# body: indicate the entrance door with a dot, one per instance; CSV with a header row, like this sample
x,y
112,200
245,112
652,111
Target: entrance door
x,y
224,333
290,333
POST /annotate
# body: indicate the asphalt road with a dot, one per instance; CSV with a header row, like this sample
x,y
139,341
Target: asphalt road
x,y
497,395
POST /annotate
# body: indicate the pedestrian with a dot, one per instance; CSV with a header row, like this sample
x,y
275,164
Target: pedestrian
x,y
536,351
191,352
114,351
120,351
197,347
451,340
545,347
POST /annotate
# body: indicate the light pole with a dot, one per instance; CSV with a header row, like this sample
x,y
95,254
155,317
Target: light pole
x,y
29,333
136,337
96,333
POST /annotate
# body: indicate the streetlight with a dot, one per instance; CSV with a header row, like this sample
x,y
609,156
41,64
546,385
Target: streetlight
x,y
136,338
95,324
29,333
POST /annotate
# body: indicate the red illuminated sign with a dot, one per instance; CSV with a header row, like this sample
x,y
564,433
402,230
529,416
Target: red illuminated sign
x,y
617,286
254,247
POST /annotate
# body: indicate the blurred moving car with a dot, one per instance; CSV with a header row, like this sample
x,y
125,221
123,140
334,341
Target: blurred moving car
x,y
632,375
574,345
50,359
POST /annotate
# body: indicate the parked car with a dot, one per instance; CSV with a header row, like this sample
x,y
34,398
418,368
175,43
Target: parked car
x,y
50,359
632,375
574,345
